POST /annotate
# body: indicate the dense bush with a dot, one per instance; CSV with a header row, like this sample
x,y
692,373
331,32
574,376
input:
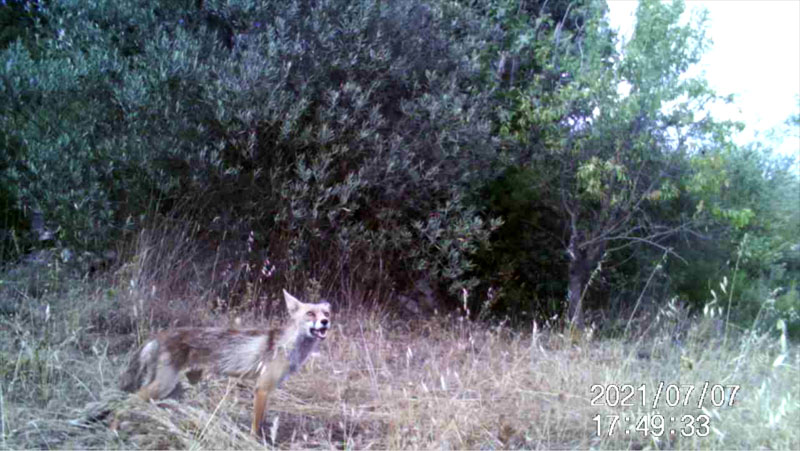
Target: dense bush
x,y
343,135
367,147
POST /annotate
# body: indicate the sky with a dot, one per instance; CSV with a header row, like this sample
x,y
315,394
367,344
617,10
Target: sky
x,y
755,55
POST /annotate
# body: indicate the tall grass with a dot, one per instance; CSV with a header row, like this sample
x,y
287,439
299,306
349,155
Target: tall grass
x,y
380,381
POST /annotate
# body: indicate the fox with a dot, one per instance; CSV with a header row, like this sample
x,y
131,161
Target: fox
x,y
268,356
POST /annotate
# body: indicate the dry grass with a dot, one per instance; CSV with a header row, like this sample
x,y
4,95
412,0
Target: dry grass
x,y
379,382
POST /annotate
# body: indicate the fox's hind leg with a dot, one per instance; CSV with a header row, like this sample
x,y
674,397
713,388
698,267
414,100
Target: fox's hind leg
x,y
164,382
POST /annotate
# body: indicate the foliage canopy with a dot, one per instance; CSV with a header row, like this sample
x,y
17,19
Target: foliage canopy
x,y
512,147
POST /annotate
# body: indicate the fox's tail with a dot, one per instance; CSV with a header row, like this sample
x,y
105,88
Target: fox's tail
x,y
142,367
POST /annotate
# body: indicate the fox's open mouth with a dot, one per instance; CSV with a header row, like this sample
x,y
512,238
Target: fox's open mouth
x,y
321,332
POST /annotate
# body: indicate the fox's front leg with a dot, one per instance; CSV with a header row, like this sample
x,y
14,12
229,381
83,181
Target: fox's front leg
x,y
268,379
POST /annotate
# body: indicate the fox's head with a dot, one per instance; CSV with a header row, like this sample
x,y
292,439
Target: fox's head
x,y
313,319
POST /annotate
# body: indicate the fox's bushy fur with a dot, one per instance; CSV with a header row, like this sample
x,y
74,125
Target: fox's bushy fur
x,y
269,356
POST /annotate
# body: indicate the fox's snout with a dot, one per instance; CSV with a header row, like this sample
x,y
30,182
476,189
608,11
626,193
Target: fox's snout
x,y
320,328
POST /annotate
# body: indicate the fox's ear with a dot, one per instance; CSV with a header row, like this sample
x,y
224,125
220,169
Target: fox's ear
x,y
292,303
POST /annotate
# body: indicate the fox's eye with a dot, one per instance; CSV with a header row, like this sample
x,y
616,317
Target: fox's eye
x,y
310,314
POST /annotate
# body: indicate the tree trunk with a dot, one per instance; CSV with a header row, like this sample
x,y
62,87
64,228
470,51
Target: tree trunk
x,y
579,273
581,263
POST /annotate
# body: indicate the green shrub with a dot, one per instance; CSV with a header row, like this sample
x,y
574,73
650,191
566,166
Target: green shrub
x,y
343,135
